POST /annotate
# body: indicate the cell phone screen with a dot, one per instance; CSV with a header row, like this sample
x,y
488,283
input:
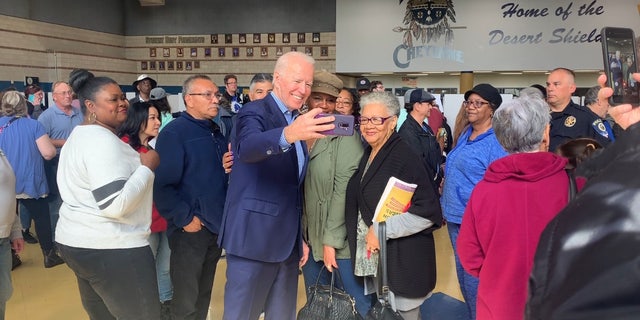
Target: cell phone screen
x,y
620,63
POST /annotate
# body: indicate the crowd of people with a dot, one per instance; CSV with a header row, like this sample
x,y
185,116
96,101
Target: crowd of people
x,y
141,204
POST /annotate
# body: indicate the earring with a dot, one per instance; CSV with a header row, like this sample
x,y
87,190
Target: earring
x,y
93,117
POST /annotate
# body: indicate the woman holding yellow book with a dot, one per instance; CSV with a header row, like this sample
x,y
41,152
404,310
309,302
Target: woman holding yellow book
x,y
412,276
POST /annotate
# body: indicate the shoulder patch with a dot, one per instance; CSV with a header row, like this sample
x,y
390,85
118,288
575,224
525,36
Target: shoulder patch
x,y
599,127
570,121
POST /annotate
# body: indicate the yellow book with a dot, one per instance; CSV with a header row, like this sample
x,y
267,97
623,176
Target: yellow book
x,y
395,199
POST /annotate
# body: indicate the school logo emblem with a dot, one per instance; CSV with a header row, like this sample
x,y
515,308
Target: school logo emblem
x,y
427,21
570,121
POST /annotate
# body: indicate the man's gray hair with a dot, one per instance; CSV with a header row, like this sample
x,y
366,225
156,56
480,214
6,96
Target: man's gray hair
x,y
385,98
519,124
531,92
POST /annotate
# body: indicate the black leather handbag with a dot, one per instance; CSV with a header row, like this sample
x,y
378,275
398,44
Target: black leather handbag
x,y
328,302
382,309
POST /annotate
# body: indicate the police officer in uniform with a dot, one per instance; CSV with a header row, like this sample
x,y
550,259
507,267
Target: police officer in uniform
x,y
568,119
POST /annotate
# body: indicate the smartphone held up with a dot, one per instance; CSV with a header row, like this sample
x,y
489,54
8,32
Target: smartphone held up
x,y
344,124
619,53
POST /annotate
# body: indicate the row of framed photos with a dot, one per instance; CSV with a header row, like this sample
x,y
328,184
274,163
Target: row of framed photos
x,y
234,52
169,65
271,37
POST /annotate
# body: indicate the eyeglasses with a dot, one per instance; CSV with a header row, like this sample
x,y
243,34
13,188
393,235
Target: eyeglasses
x,y
477,104
64,93
374,120
346,103
207,95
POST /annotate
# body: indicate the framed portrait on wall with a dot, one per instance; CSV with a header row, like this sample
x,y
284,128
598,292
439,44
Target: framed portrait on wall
x,y
278,51
207,52
242,38
308,51
285,38
166,52
152,65
264,51
143,65
271,38
196,64
180,52
152,52
160,65
194,52
170,65
315,37
188,65
221,52
235,52
301,37
214,39
324,51
256,38
249,51
228,38
178,65
294,48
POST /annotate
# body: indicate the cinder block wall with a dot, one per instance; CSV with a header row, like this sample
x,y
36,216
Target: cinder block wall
x,y
51,51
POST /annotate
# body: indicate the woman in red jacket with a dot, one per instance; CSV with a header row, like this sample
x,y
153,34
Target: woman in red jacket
x,y
142,125
509,208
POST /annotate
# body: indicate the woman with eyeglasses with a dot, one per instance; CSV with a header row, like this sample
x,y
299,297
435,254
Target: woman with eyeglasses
x,y
411,264
476,148
347,103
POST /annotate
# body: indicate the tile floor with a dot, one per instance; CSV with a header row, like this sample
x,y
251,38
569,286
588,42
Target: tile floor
x,y
52,294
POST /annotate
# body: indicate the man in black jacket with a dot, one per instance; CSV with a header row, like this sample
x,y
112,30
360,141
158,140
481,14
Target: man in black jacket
x,y
417,133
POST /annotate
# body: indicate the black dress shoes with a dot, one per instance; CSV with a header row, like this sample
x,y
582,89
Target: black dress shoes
x,y
51,258
28,237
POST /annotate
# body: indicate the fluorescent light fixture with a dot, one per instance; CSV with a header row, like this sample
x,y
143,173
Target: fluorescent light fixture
x,y
483,71
454,73
511,73
586,71
534,71
417,74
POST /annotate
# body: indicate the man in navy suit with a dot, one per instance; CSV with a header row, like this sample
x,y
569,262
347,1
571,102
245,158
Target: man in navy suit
x,y
261,229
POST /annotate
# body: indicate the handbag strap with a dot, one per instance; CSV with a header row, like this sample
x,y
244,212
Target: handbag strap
x,y
573,188
333,277
9,123
382,239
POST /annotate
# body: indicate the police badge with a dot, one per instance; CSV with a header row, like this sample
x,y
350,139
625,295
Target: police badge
x,y
427,20
570,121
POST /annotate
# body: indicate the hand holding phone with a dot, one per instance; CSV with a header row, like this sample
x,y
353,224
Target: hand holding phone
x,y
620,62
344,124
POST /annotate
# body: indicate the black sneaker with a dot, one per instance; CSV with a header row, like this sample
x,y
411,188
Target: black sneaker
x,y
28,237
15,260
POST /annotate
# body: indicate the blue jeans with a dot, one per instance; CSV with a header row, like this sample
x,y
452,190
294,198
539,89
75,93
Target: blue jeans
x,y
39,209
160,246
353,285
5,275
55,200
115,283
468,283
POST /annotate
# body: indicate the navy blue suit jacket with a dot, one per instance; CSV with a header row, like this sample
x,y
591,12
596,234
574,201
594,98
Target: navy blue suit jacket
x,y
264,201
